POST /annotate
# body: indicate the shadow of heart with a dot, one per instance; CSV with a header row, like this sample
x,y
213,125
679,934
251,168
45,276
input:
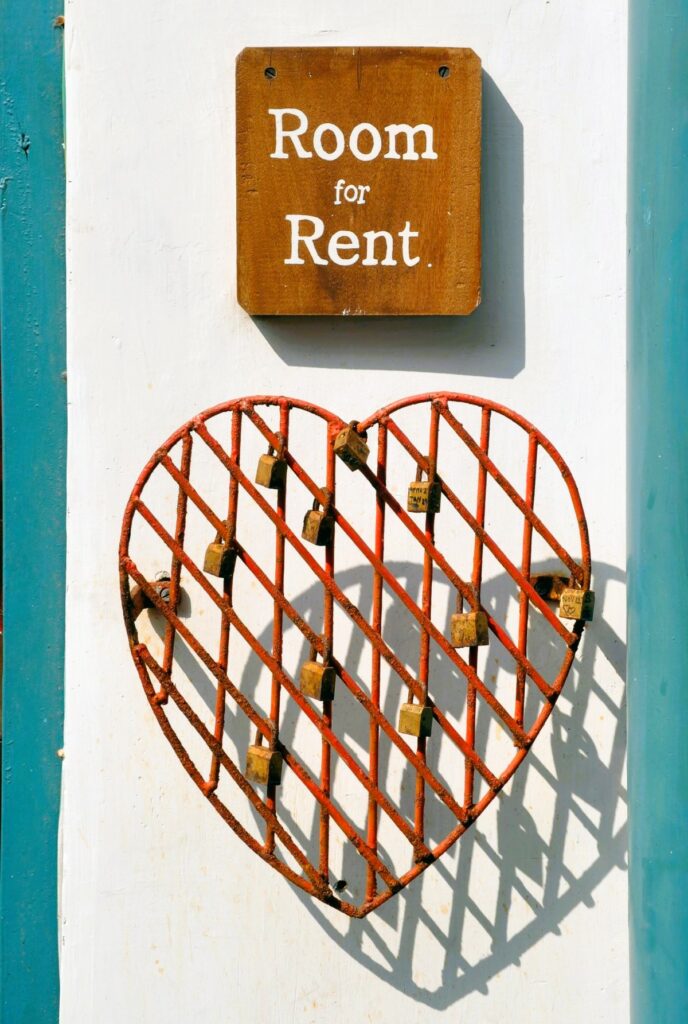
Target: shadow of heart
x,y
539,880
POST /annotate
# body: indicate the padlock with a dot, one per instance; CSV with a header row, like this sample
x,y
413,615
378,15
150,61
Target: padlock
x,y
577,604
469,629
220,558
424,495
263,766
415,720
317,680
549,585
318,526
271,470
351,447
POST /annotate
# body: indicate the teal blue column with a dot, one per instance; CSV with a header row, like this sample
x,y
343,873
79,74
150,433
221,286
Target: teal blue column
x,y
32,317
658,510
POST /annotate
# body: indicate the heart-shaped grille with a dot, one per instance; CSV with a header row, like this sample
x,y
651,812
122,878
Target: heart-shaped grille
x,y
202,472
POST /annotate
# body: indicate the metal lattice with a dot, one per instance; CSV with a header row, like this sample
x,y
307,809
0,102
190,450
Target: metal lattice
x,y
234,528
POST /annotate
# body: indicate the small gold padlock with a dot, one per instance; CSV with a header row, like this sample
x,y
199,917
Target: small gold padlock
x,y
263,766
317,680
415,720
220,558
271,470
351,447
318,526
577,604
469,629
424,495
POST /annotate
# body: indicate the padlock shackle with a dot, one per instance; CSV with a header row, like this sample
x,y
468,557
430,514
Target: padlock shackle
x,y
326,651
354,424
231,531
432,470
325,505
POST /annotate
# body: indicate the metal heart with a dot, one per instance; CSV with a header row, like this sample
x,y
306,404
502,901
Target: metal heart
x,y
452,705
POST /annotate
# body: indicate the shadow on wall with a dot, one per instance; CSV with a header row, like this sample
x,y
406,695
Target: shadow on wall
x,y
525,857
489,342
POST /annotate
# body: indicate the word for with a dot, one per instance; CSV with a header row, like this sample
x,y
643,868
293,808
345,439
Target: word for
x,y
352,193
364,141
304,237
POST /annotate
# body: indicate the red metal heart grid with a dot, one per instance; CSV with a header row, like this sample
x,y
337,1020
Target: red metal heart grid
x,y
158,676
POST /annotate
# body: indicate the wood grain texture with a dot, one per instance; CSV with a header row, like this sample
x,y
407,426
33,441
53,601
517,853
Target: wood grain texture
x,y
439,198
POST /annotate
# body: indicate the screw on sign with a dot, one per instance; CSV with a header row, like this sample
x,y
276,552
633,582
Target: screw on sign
x,y
268,770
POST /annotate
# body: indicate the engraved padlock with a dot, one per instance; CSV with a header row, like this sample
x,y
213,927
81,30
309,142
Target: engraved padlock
x,y
577,604
424,495
415,720
351,447
220,558
469,629
263,766
271,470
317,679
318,525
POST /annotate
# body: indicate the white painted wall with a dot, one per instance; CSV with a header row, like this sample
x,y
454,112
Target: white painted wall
x,y
165,915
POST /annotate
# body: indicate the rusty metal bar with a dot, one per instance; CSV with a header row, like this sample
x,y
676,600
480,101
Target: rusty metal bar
x,y
328,623
523,601
277,630
175,569
376,623
426,599
223,658
476,582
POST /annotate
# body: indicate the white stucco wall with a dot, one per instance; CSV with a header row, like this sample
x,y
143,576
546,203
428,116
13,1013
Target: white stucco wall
x,y
165,915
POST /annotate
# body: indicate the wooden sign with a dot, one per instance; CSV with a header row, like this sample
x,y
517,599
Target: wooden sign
x,y
358,181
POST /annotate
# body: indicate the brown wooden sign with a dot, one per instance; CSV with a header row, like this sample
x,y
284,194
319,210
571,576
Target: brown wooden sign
x,y
358,181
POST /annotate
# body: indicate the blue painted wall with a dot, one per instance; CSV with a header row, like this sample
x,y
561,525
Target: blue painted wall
x,y
32,295
658,510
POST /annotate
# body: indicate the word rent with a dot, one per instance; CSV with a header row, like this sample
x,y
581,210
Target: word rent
x,y
365,142
303,239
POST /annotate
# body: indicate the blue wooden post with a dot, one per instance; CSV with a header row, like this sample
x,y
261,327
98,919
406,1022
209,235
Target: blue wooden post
x,y
658,510
32,312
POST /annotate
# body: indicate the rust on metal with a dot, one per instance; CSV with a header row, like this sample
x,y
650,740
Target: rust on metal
x,y
269,764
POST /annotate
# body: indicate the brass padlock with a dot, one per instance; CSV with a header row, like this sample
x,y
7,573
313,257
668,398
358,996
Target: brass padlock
x,y
415,720
317,680
263,765
318,526
351,447
424,495
271,470
220,558
469,629
577,604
